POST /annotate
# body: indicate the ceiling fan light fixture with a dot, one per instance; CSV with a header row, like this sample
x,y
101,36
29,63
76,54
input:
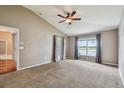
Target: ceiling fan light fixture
x,y
68,20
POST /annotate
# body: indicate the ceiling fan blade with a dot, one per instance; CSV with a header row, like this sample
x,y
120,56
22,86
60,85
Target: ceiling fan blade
x,y
73,13
61,21
61,16
76,18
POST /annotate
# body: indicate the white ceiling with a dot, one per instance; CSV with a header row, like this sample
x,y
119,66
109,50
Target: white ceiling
x,y
94,18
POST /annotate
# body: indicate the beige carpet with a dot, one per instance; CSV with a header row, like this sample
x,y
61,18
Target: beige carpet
x,y
64,74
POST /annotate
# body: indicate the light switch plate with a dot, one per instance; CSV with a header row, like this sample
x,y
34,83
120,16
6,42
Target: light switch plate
x,y
21,47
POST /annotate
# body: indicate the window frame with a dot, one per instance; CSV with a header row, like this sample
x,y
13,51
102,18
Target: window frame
x,y
86,39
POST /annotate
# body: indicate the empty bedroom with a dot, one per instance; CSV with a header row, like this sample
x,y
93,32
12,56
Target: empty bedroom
x,y
62,46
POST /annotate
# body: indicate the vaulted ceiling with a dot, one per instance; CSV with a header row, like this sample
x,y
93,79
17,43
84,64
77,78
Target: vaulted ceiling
x,y
94,18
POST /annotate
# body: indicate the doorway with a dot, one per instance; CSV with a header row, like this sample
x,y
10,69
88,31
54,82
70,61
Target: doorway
x,y
59,48
9,49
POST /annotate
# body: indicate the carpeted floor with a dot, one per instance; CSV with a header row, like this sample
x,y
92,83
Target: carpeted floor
x,y
64,74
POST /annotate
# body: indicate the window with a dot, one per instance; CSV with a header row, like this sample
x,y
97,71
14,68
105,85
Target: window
x,y
87,47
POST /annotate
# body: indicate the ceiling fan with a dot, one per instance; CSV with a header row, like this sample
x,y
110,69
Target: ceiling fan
x,y
69,17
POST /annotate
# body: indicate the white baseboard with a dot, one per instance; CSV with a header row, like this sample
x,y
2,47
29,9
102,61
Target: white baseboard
x,y
110,64
34,65
121,77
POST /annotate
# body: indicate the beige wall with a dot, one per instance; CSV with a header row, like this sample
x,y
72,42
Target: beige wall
x,y
109,46
35,33
7,36
71,47
121,47
109,49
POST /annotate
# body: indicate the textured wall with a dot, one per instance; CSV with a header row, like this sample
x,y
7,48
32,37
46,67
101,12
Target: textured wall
x,y
121,47
35,33
71,49
109,47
